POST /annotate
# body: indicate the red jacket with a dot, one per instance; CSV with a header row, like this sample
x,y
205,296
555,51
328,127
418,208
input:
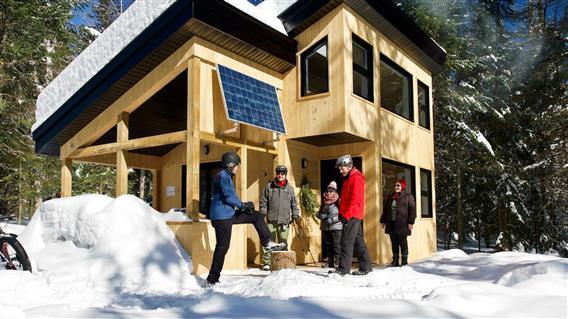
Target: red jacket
x,y
353,196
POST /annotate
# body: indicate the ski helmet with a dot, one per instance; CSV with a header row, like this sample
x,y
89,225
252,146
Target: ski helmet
x,y
230,160
281,168
344,160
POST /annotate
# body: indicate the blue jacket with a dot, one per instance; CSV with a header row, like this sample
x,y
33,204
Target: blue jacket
x,y
224,199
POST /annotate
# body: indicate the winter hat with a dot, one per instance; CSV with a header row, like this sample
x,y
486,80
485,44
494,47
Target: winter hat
x,y
332,187
402,184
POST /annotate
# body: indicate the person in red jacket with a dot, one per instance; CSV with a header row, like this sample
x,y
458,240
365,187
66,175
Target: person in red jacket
x,y
351,212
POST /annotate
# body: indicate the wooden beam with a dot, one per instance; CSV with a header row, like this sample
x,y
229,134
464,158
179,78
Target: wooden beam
x,y
193,140
211,138
143,142
134,160
121,165
131,100
241,179
66,177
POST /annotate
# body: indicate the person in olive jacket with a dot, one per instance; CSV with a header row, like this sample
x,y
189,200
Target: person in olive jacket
x,y
278,204
399,213
227,210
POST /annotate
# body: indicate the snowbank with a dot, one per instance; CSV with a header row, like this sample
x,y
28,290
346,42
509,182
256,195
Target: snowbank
x,y
109,244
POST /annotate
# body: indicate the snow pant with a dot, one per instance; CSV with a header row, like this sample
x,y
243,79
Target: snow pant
x,y
279,234
399,242
332,242
223,230
352,237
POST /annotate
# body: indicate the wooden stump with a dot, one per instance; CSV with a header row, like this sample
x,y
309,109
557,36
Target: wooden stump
x,y
282,260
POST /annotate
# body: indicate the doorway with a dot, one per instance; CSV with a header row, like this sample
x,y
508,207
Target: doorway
x,y
206,172
328,174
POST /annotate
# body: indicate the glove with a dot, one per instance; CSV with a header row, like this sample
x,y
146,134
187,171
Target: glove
x,y
329,221
248,208
343,220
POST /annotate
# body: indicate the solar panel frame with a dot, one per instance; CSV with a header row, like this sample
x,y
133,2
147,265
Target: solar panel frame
x,y
244,85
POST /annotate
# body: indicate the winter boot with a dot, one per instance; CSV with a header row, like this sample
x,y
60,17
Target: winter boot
x,y
330,262
394,262
404,261
272,246
266,267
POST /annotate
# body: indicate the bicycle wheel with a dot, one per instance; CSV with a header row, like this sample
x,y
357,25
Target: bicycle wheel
x,y
13,255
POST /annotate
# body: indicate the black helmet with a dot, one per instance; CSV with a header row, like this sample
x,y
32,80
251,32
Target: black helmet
x,y
230,160
344,160
281,168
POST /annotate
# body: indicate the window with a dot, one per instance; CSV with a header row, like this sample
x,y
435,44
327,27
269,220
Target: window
x,y
394,171
314,64
396,89
426,193
423,105
362,68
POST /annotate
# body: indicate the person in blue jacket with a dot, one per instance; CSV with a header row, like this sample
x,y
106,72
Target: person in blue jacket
x,y
227,209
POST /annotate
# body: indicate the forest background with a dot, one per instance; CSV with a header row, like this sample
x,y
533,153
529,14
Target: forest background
x,y
500,114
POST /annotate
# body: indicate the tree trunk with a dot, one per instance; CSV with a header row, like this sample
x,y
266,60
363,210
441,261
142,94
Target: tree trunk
x,y
459,217
142,185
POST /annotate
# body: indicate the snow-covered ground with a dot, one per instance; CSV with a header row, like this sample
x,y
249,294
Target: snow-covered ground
x,y
95,256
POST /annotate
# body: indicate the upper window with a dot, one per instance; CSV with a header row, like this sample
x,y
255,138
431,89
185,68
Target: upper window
x,y
426,193
423,105
314,65
395,171
396,89
362,68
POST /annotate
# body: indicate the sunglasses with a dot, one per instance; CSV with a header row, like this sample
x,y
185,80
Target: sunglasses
x,y
280,173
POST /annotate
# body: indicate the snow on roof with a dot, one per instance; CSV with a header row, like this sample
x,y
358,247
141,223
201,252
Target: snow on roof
x,y
118,35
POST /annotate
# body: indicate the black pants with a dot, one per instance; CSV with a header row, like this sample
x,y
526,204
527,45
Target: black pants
x,y
223,230
332,240
352,237
399,241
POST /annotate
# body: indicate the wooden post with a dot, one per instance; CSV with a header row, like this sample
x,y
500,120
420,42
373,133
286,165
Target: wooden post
x,y
193,143
66,177
121,165
241,179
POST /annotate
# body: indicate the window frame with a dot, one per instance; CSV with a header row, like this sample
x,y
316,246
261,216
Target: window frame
x,y
403,165
304,67
429,195
367,73
391,64
426,88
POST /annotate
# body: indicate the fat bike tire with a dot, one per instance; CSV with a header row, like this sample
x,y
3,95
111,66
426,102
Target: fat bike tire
x,y
18,256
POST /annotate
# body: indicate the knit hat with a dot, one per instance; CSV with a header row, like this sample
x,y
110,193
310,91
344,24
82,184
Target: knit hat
x,y
332,187
402,184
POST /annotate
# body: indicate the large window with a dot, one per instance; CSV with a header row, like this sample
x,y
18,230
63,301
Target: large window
x,y
362,68
396,89
395,171
426,193
315,77
423,105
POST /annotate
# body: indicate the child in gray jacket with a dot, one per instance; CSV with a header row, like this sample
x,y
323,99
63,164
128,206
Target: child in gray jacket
x,y
330,224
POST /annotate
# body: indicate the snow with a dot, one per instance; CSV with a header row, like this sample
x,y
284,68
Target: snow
x,y
478,136
95,256
117,36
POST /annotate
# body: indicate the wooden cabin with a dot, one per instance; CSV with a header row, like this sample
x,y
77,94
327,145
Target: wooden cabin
x,y
351,76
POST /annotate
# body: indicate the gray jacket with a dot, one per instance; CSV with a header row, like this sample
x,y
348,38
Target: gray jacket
x,y
329,215
279,204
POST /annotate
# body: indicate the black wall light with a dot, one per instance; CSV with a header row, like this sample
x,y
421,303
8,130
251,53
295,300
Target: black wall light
x,y
304,163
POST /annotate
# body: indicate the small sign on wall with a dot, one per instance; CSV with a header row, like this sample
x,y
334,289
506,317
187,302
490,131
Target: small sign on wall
x,y
170,191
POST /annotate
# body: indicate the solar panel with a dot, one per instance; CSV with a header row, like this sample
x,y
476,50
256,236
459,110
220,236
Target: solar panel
x,y
250,101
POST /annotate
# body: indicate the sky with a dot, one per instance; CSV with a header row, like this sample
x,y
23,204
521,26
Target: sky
x,y
96,256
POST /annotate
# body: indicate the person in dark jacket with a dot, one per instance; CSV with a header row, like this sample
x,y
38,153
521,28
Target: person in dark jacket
x,y
278,204
330,224
224,201
399,213
351,211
